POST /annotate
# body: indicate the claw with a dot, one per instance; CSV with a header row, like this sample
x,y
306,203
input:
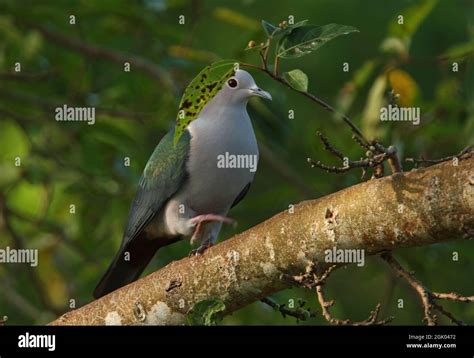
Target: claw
x,y
201,249
201,219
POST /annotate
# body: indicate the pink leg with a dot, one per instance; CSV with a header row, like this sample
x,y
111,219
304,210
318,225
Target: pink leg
x,y
211,217
202,219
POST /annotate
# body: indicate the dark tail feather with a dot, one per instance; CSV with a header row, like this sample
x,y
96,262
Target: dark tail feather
x,y
122,272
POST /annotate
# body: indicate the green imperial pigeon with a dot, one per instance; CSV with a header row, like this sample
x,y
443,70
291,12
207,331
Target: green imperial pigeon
x,y
187,189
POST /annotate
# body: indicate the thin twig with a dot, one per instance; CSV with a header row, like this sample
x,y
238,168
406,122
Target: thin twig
x,y
310,279
267,48
98,52
453,296
27,77
49,106
313,98
427,297
18,301
422,291
300,313
374,161
391,153
463,154
262,56
372,320
325,309
56,229
329,147
448,314
361,143
275,65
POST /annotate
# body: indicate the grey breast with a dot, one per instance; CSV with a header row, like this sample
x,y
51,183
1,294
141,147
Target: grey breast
x,y
210,188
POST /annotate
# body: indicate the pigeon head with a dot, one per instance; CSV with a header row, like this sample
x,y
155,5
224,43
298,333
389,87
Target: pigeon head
x,y
239,88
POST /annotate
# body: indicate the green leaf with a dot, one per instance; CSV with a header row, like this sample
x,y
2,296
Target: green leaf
x,y
297,79
394,45
459,51
205,313
14,150
273,31
32,44
28,199
413,16
269,28
308,38
14,141
200,91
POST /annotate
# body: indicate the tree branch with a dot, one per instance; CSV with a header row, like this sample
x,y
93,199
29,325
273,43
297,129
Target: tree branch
x,y
97,52
300,313
390,153
427,297
416,208
372,320
49,106
466,152
370,160
312,97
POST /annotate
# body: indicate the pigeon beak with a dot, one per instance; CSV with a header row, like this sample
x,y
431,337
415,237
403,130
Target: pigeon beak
x,y
260,93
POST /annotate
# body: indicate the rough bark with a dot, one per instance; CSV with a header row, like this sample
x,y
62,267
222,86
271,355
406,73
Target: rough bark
x,y
416,208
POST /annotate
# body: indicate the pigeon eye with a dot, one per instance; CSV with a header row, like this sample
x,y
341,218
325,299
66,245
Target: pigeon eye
x,y
232,83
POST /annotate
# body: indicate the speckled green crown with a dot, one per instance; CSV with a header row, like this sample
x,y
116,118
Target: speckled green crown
x,y
200,91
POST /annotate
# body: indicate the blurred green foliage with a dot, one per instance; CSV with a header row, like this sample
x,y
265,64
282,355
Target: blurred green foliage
x,y
205,313
70,195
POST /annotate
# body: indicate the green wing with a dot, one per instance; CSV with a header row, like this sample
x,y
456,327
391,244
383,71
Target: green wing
x,y
164,174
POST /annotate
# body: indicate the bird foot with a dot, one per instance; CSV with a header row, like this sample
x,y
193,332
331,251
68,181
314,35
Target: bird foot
x,y
211,217
200,220
200,250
